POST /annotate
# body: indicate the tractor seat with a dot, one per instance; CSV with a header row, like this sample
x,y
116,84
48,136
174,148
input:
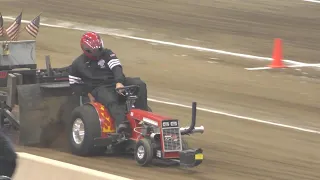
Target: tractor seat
x,y
84,98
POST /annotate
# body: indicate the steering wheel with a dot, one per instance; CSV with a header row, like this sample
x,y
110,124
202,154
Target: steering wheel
x,y
128,90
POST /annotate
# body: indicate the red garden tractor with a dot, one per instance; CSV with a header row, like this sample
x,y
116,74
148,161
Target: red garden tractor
x,y
151,136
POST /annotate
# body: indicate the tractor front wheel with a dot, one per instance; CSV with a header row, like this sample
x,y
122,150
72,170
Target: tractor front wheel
x,y
143,152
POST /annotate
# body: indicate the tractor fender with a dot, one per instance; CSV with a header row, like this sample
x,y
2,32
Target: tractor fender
x,y
107,123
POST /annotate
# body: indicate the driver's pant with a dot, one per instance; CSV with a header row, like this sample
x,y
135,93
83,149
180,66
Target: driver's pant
x,y
111,100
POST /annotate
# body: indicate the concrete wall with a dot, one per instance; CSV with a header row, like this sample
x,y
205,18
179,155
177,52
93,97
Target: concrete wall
x,y
33,167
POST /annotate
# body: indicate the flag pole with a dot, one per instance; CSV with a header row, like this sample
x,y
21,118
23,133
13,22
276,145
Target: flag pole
x,y
19,27
39,24
31,22
2,24
4,30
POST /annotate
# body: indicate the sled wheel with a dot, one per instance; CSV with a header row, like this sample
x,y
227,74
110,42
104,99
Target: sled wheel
x,y
82,130
143,152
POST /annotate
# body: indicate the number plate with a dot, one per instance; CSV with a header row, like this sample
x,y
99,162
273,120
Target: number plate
x,y
199,156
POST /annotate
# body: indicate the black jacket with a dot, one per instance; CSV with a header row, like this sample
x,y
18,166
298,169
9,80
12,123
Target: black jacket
x,y
91,74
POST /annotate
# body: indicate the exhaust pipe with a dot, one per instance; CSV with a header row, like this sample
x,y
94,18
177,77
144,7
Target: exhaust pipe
x,y
195,130
192,129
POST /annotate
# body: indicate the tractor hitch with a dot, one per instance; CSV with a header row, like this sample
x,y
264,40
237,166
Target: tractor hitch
x,y
191,157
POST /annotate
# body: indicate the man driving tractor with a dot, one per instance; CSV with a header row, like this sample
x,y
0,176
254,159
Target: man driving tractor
x,y
102,73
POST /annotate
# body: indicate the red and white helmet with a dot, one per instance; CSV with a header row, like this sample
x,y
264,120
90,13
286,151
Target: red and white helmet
x,y
92,45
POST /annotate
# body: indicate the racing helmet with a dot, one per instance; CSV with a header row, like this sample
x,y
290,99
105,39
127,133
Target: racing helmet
x,y
92,45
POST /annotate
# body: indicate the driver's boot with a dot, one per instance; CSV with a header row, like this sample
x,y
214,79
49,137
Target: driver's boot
x,y
124,128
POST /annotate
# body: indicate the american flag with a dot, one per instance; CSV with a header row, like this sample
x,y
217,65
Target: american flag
x,y
33,27
1,25
13,30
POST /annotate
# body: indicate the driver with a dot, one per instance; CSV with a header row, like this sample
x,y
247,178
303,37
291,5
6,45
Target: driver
x,y
101,71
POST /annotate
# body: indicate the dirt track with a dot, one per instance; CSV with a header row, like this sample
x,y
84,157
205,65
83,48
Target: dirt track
x,y
234,148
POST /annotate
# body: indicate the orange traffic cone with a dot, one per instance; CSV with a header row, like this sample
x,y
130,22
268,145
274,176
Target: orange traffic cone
x,y
277,55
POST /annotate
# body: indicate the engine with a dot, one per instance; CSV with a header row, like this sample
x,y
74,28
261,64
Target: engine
x,y
165,133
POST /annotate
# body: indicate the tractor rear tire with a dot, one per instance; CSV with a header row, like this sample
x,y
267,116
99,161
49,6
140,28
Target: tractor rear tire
x,y
89,119
143,152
